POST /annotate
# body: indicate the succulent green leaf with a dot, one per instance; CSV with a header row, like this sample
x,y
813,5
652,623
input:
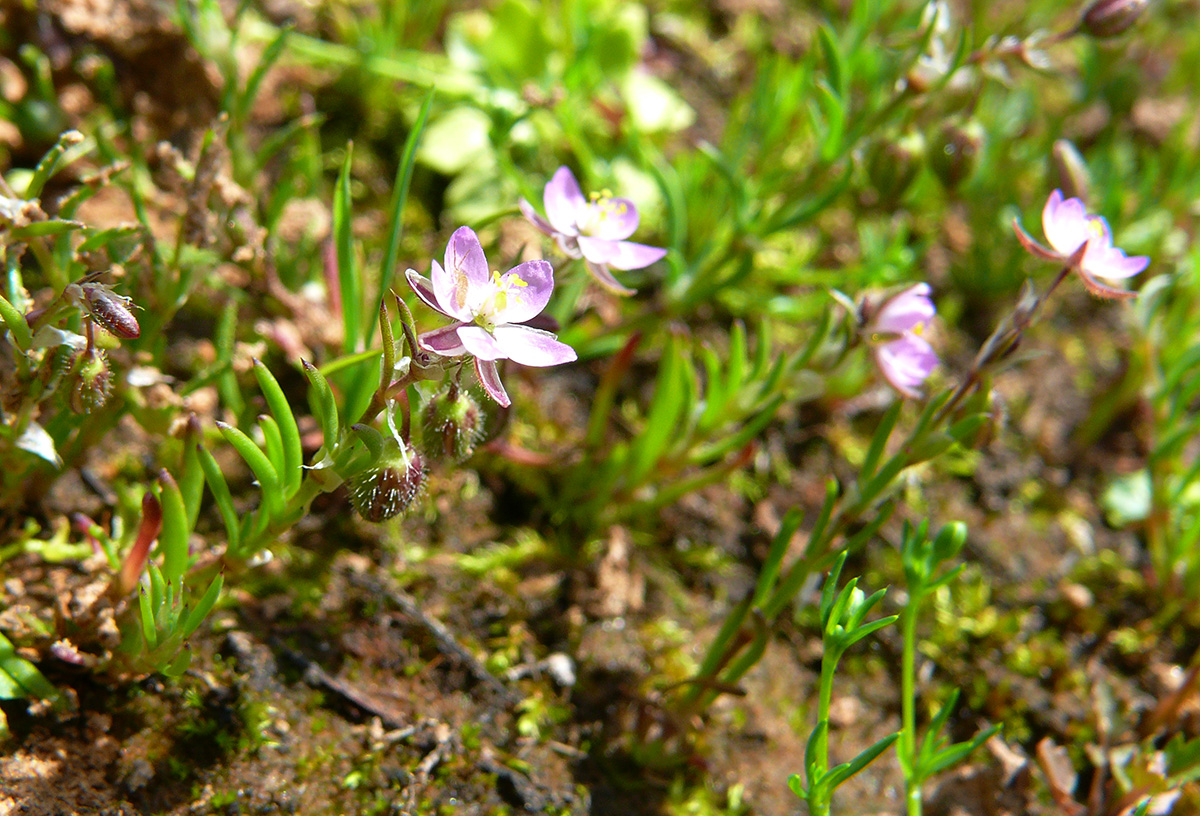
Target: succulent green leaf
x,y
260,465
221,496
173,538
291,468
17,326
842,772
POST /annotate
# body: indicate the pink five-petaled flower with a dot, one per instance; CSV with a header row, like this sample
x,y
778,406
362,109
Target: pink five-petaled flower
x,y
904,357
595,230
1083,240
490,309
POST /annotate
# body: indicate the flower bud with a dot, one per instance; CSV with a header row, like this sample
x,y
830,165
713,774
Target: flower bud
x,y
949,541
1108,18
93,383
893,164
109,309
57,364
452,424
955,152
1070,171
390,486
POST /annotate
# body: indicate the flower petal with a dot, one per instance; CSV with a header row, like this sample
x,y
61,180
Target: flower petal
x,y
531,347
480,343
613,219
905,310
489,378
906,363
464,282
424,289
1105,261
530,213
1066,223
443,342
619,254
451,291
564,201
602,276
524,291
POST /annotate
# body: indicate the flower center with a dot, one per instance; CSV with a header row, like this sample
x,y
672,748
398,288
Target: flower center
x,y
602,208
497,301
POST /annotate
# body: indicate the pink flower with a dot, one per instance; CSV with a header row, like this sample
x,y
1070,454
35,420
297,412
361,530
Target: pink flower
x,y
594,231
1083,240
490,310
904,357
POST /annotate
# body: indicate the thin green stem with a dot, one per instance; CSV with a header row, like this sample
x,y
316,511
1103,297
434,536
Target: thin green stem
x,y
908,702
818,803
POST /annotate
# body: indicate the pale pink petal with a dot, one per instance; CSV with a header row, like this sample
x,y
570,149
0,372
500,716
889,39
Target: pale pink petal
x,y
1106,261
1066,223
424,289
526,290
443,342
564,201
602,276
906,363
465,283
613,219
909,308
489,378
452,290
619,254
530,213
531,347
480,343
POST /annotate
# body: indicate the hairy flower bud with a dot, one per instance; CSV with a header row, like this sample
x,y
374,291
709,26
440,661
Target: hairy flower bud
x,y
893,164
452,424
93,383
57,364
390,486
108,309
1108,18
955,152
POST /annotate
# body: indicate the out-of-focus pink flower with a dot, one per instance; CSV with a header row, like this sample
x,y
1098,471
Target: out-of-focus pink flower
x,y
903,355
489,309
1085,241
593,230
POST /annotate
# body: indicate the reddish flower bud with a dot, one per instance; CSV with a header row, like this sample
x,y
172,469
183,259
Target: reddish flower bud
x,y
109,309
389,487
1108,18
